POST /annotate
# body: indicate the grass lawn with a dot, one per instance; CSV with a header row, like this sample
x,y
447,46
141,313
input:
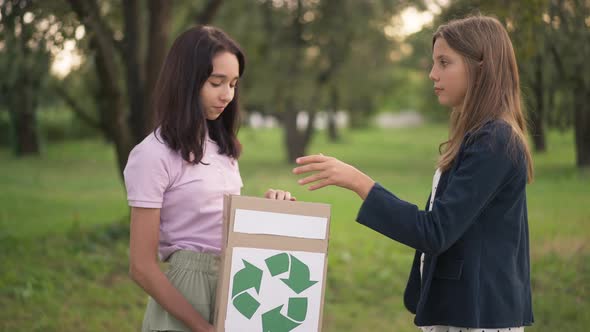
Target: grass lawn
x,y
64,235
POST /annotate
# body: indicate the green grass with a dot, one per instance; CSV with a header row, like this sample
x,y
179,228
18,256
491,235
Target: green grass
x,y
64,236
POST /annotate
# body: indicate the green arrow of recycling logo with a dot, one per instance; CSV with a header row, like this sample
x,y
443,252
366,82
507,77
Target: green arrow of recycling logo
x,y
248,277
298,280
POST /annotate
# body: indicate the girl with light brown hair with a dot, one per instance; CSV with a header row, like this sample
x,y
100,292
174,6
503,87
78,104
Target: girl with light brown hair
x,y
471,269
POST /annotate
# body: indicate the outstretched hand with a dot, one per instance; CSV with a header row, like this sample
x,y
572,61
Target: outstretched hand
x,y
331,171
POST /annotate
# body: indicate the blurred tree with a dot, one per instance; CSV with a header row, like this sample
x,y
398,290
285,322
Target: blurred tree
x,y
414,90
303,55
356,55
529,34
552,42
127,59
25,38
308,55
570,48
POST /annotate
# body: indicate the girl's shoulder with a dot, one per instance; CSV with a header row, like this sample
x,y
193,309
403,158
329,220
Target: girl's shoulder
x,y
498,141
494,133
153,144
154,151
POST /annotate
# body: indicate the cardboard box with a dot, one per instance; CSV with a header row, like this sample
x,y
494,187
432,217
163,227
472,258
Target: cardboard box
x,y
274,265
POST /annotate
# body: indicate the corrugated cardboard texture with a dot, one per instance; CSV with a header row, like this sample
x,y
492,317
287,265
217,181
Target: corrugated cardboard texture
x,y
232,239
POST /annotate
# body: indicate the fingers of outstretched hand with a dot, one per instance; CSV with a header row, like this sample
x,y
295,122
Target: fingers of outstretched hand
x,y
310,168
316,158
321,184
312,178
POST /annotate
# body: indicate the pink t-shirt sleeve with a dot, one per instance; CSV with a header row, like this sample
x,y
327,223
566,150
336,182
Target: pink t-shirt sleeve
x,y
146,177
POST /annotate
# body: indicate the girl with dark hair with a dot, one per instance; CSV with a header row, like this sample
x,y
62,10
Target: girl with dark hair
x,y
177,176
471,270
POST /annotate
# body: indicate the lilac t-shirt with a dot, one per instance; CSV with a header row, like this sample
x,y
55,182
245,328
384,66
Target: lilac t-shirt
x,y
190,196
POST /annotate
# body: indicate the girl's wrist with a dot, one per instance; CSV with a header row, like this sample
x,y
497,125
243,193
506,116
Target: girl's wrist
x,y
363,185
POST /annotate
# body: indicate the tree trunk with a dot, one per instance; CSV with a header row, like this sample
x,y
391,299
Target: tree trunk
x,y
23,114
296,141
21,91
159,13
111,109
134,77
333,135
538,114
113,100
582,125
24,109
109,95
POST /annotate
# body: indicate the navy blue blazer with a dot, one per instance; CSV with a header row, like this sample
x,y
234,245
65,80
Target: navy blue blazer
x,y
475,238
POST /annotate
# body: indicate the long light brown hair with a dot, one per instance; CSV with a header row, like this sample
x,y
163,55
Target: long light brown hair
x,y
493,88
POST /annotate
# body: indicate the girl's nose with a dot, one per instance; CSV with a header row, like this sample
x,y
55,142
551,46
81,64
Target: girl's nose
x,y
227,94
432,76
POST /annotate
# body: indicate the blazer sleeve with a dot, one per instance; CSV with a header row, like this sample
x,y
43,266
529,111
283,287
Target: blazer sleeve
x,y
484,166
414,284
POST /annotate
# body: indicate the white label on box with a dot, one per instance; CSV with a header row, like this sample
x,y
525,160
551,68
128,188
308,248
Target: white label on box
x,y
283,224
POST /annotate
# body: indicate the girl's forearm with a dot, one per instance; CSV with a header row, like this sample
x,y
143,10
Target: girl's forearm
x,y
154,282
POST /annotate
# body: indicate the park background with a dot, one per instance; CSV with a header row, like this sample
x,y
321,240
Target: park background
x,y
347,78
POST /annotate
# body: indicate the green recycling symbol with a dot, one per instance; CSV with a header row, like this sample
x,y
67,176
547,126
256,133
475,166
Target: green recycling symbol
x,y
251,277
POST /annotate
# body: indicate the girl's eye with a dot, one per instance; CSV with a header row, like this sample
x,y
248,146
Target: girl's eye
x,y
215,84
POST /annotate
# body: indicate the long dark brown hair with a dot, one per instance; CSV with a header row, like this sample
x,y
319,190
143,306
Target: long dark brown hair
x,y
493,88
182,123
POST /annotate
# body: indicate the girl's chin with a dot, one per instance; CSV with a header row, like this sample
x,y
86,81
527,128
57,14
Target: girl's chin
x,y
213,116
445,102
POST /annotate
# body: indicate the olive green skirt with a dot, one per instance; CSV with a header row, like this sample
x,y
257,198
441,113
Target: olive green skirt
x,y
195,276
